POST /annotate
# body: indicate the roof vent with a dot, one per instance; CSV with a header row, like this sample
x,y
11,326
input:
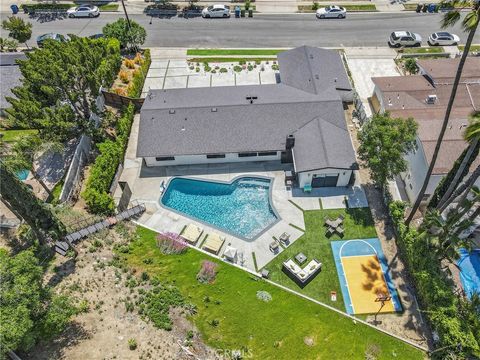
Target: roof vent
x,y
311,56
171,111
214,109
317,77
251,98
431,99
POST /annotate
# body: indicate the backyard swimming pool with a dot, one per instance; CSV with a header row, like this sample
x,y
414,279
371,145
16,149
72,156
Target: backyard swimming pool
x,y
241,208
469,264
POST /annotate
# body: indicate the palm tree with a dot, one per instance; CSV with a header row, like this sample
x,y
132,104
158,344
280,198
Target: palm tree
x,y
469,24
472,136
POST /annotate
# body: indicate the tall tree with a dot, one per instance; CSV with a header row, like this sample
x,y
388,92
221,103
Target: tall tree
x,y
130,35
469,24
472,136
19,29
60,84
384,141
23,202
28,310
22,156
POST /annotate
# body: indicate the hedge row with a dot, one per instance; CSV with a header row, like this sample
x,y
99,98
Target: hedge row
x,y
96,195
135,90
33,7
447,313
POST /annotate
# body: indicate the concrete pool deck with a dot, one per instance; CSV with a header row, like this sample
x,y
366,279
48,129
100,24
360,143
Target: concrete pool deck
x,y
145,184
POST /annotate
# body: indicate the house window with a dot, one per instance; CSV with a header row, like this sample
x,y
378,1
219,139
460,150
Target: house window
x,y
165,158
248,154
215,156
267,153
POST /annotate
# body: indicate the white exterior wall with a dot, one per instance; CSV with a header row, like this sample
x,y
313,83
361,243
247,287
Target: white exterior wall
x,y
202,159
378,93
305,178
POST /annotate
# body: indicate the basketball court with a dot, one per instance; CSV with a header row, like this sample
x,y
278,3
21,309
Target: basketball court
x,y
363,274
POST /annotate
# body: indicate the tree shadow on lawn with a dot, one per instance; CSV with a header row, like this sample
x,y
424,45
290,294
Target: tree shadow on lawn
x,y
360,216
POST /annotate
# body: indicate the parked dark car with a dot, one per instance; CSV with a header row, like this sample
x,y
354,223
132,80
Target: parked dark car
x,y
97,36
52,36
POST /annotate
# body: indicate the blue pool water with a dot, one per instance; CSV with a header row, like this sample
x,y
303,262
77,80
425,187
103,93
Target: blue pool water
x,y
469,264
22,174
241,208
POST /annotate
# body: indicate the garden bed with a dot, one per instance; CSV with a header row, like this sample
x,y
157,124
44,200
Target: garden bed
x,y
132,75
222,52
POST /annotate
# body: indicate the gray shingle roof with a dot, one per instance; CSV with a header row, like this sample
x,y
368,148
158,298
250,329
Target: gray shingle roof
x,y
313,70
222,120
10,77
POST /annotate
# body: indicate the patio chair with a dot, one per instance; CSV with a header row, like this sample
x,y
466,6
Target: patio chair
x,y
273,247
341,217
328,221
285,238
340,230
307,188
330,231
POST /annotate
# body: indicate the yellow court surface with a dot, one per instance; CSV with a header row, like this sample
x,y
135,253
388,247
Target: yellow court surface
x,y
365,280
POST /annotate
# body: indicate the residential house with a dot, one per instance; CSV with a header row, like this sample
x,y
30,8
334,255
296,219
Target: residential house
x,y
10,76
424,97
299,120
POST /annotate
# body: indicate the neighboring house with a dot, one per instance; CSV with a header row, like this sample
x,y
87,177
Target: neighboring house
x,y
424,97
10,77
300,120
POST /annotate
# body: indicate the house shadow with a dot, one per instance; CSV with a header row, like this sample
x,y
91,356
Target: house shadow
x,y
62,272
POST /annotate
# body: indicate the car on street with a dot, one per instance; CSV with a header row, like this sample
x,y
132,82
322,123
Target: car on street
x,y
404,38
443,38
331,12
97,36
83,11
52,36
216,11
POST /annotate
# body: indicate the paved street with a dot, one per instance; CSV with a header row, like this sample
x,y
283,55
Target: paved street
x,y
286,30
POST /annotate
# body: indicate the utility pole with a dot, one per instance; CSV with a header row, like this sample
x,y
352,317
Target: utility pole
x,y
126,16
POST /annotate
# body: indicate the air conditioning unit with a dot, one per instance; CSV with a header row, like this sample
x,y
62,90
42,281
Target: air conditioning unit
x,y
431,99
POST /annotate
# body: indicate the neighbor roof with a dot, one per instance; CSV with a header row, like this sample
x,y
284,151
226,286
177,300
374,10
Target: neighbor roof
x,y
255,118
444,70
10,77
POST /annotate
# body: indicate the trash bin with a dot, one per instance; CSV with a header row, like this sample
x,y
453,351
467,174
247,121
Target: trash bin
x,y
436,8
431,8
424,8
237,11
419,8
14,9
242,13
250,13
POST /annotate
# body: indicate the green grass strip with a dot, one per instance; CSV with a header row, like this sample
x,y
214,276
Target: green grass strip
x,y
216,52
296,205
423,50
13,135
228,60
108,7
255,261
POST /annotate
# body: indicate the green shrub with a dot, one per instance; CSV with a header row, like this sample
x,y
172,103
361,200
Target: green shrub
x,y
250,67
275,67
132,344
237,68
56,6
96,194
206,67
223,70
315,6
411,65
136,87
434,289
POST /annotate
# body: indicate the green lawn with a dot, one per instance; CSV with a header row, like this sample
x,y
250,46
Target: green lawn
x,y
352,8
314,243
218,52
273,330
229,60
13,135
473,48
423,50
108,7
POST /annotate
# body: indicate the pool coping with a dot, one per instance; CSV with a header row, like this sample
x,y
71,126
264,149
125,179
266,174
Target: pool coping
x,y
270,199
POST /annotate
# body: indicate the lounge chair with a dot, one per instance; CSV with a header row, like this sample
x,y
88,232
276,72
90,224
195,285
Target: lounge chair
x,y
192,233
284,238
273,246
213,243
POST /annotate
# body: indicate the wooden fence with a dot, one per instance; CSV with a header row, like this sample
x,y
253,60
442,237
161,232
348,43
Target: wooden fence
x,y
119,101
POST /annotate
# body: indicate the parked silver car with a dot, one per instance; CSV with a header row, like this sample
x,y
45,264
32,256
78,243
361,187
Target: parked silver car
x,y
216,11
443,38
332,12
404,38
83,11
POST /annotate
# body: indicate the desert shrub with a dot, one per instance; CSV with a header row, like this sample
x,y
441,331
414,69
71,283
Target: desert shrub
x,y
237,68
124,76
206,67
223,70
132,344
155,305
171,243
315,6
130,64
208,272
250,67
138,59
275,67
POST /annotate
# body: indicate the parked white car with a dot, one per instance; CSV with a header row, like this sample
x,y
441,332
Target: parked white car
x,y
216,11
333,11
83,11
443,38
404,38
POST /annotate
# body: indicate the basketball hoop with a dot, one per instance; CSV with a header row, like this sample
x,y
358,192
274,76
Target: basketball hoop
x,y
381,297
